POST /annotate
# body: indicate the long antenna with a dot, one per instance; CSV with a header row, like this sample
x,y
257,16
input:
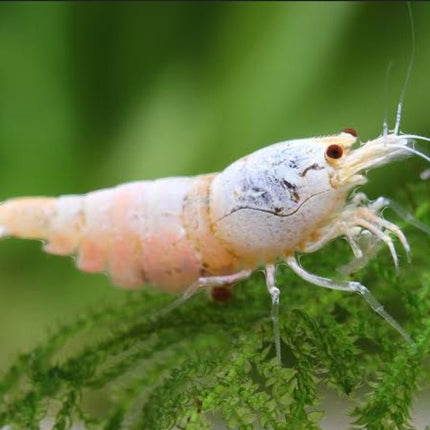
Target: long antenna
x,y
385,121
408,73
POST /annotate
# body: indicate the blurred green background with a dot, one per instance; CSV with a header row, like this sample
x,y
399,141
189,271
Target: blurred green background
x,y
95,94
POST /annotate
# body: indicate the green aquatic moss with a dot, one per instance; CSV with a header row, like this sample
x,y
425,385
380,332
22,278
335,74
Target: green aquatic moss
x,y
131,366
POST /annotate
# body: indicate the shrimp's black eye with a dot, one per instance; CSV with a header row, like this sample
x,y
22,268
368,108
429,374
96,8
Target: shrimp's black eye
x,y
334,151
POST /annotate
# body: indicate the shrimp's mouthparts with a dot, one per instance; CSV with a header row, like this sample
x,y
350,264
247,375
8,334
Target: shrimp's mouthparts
x,y
377,152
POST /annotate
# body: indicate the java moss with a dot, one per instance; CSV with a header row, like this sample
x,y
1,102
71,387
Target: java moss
x,y
133,367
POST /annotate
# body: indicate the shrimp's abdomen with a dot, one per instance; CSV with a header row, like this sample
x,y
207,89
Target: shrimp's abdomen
x,y
147,232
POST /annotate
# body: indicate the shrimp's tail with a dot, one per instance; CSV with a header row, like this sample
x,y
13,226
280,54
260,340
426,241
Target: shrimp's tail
x,y
99,228
43,218
27,218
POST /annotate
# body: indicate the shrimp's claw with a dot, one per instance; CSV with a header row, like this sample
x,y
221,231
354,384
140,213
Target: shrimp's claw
x,y
360,223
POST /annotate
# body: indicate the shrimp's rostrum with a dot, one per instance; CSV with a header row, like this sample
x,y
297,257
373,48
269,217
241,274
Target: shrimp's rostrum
x,y
184,233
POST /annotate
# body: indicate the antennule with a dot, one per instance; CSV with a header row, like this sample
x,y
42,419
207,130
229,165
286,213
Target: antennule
x,y
385,129
408,73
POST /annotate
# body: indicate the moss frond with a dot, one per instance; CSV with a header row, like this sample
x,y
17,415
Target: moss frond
x,y
132,367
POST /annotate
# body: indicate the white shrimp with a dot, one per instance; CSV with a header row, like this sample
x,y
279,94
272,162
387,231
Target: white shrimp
x,y
188,233
184,234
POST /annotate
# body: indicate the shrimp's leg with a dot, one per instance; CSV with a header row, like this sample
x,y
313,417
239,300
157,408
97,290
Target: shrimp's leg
x,y
274,293
351,286
368,247
364,229
403,213
205,282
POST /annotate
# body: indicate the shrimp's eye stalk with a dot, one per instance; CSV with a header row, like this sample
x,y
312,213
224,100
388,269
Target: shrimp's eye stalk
x,y
334,151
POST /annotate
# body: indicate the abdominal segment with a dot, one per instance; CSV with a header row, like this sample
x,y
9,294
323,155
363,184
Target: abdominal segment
x,y
135,233
147,232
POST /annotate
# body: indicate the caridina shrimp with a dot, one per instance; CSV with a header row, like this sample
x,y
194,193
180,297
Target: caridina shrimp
x,y
184,234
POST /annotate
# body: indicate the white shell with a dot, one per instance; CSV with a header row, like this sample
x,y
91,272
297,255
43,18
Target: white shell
x,y
265,202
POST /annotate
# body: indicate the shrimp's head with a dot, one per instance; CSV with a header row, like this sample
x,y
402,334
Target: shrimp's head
x,y
267,203
351,159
